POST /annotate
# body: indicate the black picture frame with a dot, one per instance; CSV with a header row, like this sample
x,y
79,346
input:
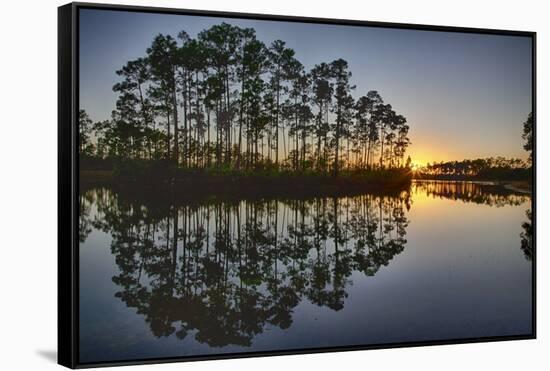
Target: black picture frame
x,y
68,182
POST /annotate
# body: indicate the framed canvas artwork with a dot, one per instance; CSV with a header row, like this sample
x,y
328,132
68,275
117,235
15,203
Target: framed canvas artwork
x,y
236,185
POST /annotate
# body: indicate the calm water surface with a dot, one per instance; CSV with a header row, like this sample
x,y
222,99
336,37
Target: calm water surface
x,y
443,260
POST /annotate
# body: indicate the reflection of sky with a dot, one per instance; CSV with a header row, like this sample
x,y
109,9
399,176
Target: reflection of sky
x,y
464,95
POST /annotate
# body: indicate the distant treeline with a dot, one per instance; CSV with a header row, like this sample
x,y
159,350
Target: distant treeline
x,y
481,168
227,100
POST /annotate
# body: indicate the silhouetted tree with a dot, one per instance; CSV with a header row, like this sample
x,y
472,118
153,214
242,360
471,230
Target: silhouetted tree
x,y
342,107
528,135
162,58
85,129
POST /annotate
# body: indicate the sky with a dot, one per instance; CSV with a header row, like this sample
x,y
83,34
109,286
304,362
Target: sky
x,y
464,95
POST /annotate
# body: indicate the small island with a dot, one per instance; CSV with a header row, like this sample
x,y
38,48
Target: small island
x,y
226,113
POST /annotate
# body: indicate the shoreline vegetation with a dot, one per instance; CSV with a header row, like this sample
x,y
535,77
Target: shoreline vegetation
x,y
485,169
198,183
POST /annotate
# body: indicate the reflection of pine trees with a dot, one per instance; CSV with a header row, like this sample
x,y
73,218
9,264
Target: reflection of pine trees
x,y
527,236
479,193
84,222
483,193
223,271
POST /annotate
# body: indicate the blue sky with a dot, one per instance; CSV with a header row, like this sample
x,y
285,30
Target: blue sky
x,y
464,95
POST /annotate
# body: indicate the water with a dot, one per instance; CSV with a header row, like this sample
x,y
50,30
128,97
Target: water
x,y
439,261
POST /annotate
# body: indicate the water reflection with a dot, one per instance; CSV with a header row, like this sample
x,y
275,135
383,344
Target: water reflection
x,y
223,271
486,193
527,236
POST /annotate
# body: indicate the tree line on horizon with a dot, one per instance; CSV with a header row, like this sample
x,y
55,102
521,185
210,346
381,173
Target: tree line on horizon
x,y
481,167
227,100
486,168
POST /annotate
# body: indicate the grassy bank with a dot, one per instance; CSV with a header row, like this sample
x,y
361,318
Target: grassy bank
x,y
189,183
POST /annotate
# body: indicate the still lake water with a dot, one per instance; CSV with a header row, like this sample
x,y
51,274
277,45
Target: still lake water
x,y
443,260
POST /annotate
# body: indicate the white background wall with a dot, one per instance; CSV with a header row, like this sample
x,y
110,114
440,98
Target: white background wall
x,y
28,155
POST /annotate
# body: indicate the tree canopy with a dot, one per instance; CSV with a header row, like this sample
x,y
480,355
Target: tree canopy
x,y
226,99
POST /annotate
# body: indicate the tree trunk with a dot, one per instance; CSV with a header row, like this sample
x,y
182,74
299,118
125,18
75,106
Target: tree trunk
x,y
184,97
175,103
277,122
